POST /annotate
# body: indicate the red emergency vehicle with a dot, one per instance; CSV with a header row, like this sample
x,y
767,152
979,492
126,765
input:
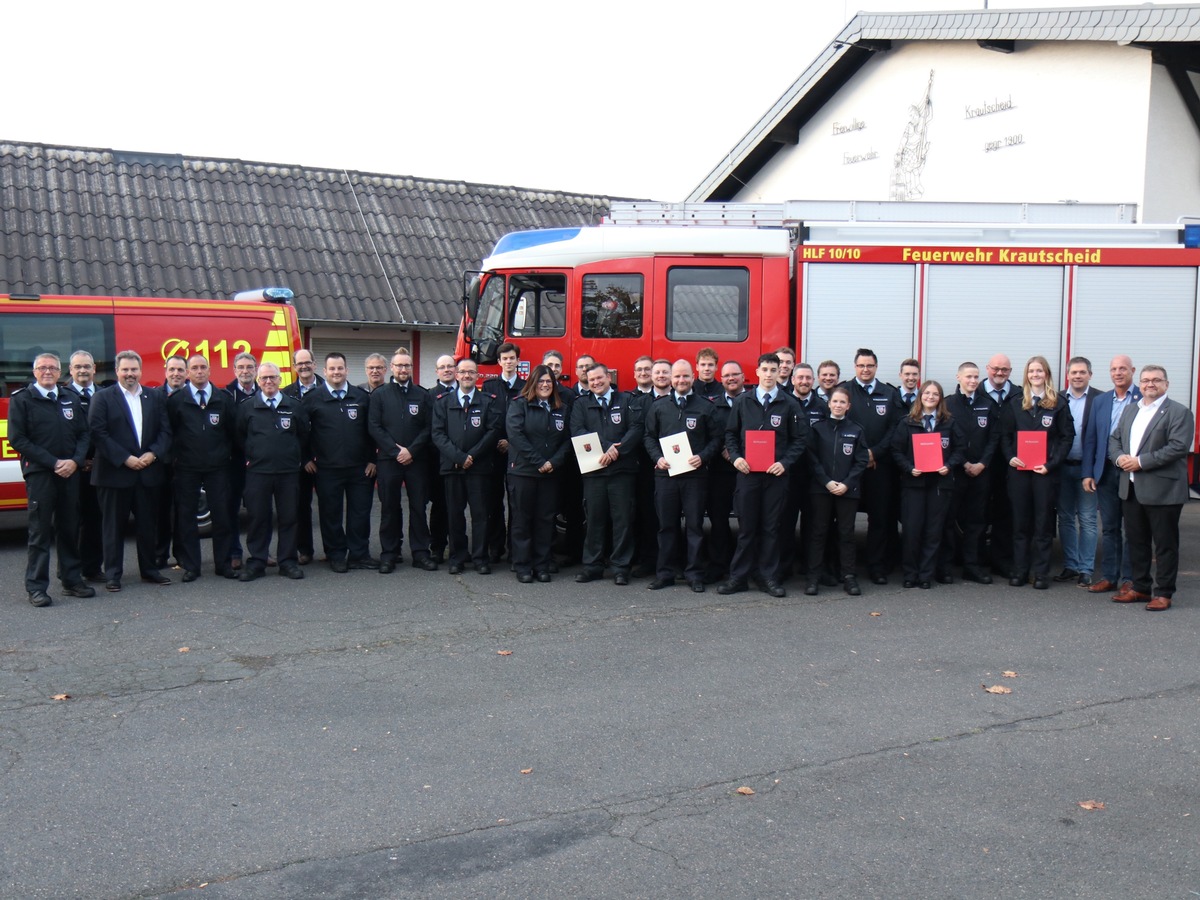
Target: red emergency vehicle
x,y
157,328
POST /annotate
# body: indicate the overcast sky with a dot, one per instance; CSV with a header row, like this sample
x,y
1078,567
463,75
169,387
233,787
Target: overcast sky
x,y
627,98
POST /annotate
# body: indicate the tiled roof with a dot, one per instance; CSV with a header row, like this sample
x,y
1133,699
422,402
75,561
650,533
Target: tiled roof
x,y
866,32
353,246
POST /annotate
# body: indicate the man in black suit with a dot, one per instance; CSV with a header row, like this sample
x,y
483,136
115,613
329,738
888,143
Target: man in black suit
x,y
174,378
131,435
1077,507
91,542
506,386
307,380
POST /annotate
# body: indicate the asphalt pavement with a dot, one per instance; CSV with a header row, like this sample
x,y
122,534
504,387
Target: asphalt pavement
x,y
417,734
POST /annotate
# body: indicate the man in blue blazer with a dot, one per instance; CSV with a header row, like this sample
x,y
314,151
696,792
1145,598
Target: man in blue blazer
x,y
1150,447
1077,507
131,437
1100,475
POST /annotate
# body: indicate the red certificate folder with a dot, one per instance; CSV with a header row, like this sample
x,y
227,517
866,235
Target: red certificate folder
x,y
760,450
927,451
1031,449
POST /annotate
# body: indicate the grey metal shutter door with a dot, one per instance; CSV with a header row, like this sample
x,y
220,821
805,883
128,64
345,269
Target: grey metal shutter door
x,y
852,305
1147,313
973,312
356,355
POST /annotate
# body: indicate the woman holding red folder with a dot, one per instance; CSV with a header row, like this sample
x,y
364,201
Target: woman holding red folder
x,y
927,445
1035,438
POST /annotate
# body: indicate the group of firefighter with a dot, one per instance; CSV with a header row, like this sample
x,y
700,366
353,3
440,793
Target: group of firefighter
x,y
547,471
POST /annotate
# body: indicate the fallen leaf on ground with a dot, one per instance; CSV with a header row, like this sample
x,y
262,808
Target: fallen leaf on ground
x,y
61,697
997,689
1091,804
877,614
1008,673
185,649
745,791
504,653
526,771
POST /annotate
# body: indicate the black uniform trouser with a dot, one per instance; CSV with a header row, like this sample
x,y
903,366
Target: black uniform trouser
x,y
215,483
967,521
758,501
609,502
115,506
797,500
1032,497
645,540
1000,516
91,535
497,539
923,512
570,505
465,492
344,496
305,487
1153,533
393,479
439,523
263,489
822,508
237,489
531,508
722,480
53,518
684,495
166,519
877,502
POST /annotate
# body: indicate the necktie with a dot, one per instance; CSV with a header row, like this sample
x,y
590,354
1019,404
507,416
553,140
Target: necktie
x,y
466,400
766,402
681,401
87,392
929,423
908,399
546,405
1037,401
339,394
272,402
203,401
998,395
52,396
604,404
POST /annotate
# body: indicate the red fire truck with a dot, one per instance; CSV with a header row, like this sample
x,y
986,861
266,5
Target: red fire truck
x,y
156,328
939,283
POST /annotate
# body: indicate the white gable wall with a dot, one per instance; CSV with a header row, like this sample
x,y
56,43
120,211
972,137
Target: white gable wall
x,y
1068,121
1172,155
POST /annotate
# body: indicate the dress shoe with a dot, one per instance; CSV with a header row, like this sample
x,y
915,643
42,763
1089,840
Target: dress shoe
x,y
153,576
366,562
811,589
483,569
543,577
422,562
878,578
909,584
1066,575
659,583
552,567
249,573
945,578
272,562
525,578
39,598
732,587
339,565
455,569
775,589
387,567
235,564
925,585
79,590
160,562
96,577
113,586
828,581
1158,604
1085,579
621,578
189,577
1041,583
850,586
977,575
292,571
1103,586
304,558
640,571
227,573
1018,581
1129,595
588,575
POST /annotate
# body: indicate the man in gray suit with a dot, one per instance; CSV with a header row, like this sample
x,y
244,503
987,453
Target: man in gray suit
x,y
1150,447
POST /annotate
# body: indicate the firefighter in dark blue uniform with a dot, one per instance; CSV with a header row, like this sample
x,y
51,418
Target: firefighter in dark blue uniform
x,y
91,541
813,408
342,464
538,445
722,480
243,387
203,421
439,528
978,415
47,428
399,420
506,386
307,380
466,428
760,496
684,412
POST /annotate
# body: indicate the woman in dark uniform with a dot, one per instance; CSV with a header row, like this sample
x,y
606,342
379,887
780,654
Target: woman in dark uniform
x,y
538,441
925,496
838,457
1032,491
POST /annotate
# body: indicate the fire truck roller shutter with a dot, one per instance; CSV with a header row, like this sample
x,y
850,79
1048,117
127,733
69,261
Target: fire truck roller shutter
x,y
1111,306
852,305
974,312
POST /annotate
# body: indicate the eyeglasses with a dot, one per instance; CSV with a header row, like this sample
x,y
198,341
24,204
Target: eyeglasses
x,y
468,372
999,368
1146,380
43,369
401,365
549,381
268,377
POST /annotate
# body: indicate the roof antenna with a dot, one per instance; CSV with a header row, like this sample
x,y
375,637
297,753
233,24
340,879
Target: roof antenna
x,y
375,250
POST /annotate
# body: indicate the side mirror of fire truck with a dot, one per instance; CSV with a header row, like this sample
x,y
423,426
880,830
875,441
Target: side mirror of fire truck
x,y
484,352
518,320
